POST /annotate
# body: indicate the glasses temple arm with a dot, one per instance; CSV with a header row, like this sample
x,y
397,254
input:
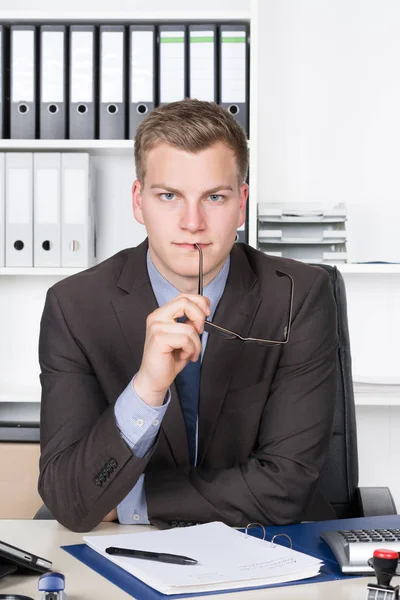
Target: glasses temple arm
x,y
200,287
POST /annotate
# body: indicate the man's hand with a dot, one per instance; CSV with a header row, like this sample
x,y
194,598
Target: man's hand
x,y
112,516
170,345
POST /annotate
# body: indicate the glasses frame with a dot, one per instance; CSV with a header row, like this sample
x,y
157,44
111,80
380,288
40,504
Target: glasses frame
x,y
211,327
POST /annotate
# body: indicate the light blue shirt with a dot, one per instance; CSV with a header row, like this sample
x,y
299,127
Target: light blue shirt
x,y
140,423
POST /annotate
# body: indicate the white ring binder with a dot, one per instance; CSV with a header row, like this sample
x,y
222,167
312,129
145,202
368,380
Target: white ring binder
x,y
254,525
265,534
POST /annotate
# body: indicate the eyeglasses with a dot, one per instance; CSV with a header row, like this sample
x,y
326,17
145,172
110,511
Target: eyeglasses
x,y
231,335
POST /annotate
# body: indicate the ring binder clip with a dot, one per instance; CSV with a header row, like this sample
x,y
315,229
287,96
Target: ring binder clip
x,y
253,525
285,535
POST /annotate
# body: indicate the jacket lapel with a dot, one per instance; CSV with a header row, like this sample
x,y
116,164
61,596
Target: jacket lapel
x,y
243,297
236,311
131,309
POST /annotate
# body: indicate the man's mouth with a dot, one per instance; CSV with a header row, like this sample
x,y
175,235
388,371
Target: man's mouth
x,y
191,245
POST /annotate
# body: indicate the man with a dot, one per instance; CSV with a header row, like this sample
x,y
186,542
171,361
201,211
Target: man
x,y
246,440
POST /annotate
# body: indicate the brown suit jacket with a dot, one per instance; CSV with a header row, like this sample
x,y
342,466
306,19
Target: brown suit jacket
x,y
265,413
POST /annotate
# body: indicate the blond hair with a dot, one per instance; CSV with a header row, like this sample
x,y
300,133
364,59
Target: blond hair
x,y
190,125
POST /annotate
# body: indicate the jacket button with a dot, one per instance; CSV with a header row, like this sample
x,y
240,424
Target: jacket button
x,y
102,477
98,482
108,468
113,463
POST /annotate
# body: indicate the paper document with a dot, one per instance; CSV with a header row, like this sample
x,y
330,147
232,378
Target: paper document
x,y
227,559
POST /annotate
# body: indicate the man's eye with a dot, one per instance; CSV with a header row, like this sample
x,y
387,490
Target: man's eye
x,y
215,197
167,196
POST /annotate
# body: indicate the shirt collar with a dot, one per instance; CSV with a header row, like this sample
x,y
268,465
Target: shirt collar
x,y
164,291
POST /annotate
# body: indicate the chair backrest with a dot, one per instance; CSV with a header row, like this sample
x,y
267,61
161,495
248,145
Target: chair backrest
x,y
339,479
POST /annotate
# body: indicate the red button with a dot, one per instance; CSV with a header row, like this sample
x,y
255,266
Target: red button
x,y
390,554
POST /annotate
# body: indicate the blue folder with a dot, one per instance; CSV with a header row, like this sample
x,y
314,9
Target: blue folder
x,y
305,538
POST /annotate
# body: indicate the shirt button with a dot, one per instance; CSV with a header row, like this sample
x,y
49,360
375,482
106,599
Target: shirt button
x,y
136,517
156,422
140,422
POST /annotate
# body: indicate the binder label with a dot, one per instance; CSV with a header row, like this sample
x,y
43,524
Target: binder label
x,y
233,60
75,196
142,65
47,196
23,68
202,67
52,66
19,185
82,66
112,77
172,67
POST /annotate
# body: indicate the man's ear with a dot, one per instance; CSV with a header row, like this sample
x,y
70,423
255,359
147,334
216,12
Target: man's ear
x,y
244,192
137,201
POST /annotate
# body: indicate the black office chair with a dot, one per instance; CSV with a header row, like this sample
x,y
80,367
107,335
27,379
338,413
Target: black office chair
x,y
43,513
339,479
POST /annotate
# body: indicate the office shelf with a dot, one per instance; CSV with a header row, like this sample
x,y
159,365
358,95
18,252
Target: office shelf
x,y
379,400
20,394
122,16
100,147
54,271
95,147
368,269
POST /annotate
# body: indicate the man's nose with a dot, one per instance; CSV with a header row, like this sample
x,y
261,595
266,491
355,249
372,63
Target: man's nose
x,y
192,216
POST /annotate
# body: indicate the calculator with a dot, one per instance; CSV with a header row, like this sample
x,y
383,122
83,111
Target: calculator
x,y
354,547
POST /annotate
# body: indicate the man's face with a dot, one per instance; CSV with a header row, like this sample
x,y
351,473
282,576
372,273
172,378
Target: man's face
x,y
190,199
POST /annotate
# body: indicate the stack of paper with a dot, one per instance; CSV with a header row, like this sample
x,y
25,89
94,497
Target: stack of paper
x,y
227,559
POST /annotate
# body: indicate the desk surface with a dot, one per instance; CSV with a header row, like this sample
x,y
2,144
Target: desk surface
x,y
44,538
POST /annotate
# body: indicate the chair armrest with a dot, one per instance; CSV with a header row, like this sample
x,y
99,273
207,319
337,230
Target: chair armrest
x,y
376,501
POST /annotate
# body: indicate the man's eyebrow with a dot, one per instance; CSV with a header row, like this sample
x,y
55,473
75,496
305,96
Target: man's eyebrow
x,y
219,188
164,187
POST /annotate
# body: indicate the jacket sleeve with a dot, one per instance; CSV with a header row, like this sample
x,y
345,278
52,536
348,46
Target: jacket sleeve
x,y
86,468
276,482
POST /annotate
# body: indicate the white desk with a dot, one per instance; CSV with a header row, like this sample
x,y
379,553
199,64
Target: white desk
x,y
44,538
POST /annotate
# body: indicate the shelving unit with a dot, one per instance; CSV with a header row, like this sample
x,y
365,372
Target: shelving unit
x,y
367,400
95,147
182,15
369,269
23,290
35,271
19,394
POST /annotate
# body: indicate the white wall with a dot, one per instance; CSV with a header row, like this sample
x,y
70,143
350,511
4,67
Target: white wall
x,y
329,97
328,130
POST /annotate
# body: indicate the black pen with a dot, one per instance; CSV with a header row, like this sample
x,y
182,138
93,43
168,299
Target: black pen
x,y
175,559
